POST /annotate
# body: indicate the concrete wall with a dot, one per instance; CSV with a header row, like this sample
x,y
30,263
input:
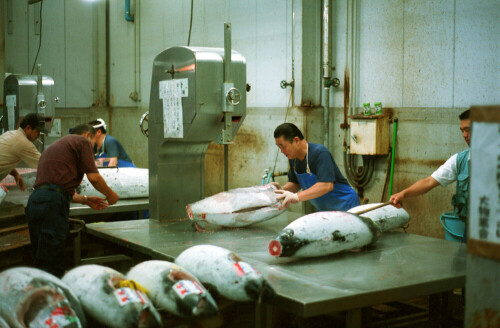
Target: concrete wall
x,y
425,61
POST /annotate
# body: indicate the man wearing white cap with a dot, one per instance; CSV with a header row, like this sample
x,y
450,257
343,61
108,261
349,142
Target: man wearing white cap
x,y
109,148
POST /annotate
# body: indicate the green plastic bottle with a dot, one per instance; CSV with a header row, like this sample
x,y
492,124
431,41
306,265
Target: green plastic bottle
x,y
378,108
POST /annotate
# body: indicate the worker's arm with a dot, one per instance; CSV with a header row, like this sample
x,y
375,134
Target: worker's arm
x,y
29,154
317,190
418,188
18,178
291,186
97,203
98,182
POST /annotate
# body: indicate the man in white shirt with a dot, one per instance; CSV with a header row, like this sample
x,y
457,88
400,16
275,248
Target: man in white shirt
x,y
456,168
17,145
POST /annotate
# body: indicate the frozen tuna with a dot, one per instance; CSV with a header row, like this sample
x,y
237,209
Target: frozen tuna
x,y
3,193
223,271
109,298
172,288
324,233
127,182
34,298
387,217
236,208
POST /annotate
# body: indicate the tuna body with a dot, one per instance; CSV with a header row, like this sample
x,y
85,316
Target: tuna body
x,y
31,297
3,193
387,217
324,233
172,288
105,298
127,182
223,271
236,208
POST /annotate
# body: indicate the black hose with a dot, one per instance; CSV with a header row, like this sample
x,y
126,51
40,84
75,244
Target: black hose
x,y
361,179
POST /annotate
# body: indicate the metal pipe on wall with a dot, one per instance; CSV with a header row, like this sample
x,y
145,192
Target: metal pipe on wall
x,y
326,71
227,79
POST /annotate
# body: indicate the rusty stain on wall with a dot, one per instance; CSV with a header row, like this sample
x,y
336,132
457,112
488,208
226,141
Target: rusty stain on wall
x,y
487,318
415,161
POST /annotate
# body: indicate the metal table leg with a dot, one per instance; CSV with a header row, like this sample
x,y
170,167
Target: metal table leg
x,y
263,315
353,318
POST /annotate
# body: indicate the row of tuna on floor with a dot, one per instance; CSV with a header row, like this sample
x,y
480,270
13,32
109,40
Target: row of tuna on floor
x,y
31,297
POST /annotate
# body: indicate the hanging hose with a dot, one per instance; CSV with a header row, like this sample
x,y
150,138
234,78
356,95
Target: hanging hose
x,y
393,154
362,178
271,174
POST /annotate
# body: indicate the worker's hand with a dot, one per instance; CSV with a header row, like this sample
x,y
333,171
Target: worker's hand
x,y
275,184
396,199
97,203
288,198
20,182
113,198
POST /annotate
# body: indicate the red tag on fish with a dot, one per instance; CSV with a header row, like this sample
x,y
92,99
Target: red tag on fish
x,y
243,268
126,295
185,287
61,316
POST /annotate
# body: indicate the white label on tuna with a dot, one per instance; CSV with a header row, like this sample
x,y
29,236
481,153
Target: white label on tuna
x,y
126,295
186,287
243,268
61,316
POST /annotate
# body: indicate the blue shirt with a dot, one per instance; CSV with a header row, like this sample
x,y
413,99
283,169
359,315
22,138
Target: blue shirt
x,y
113,148
321,163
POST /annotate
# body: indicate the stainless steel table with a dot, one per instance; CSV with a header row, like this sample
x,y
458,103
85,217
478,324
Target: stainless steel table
x,y
399,266
19,198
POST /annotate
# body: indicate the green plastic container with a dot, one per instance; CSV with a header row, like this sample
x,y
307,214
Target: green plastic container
x,y
453,227
367,109
378,108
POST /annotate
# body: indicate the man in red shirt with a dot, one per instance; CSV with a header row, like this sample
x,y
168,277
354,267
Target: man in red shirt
x,y
60,170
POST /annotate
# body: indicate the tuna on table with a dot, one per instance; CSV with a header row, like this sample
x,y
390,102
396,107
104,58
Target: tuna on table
x,y
236,208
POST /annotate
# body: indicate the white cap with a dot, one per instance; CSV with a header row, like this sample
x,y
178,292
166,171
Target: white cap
x,y
101,124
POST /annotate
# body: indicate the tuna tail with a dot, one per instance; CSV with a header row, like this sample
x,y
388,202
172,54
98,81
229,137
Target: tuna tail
x,y
149,318
374,228
206,307
267,292
259,290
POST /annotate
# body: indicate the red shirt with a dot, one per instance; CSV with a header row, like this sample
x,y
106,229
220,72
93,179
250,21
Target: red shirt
x,y
65,162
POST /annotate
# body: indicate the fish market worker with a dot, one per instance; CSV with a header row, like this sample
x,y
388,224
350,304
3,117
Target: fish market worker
x,y
456,168
312,169
17,145
109,148
60,170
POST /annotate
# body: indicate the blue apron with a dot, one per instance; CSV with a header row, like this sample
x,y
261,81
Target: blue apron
x,y
341,198
121,162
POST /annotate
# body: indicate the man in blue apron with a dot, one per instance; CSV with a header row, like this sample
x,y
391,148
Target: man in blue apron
x,y
109,148
112,153
312,169
456,168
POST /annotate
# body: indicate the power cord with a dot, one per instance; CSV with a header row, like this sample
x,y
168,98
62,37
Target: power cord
x,y
40,41
190,24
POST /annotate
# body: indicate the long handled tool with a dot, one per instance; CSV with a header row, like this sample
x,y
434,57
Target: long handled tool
x,y
372,208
